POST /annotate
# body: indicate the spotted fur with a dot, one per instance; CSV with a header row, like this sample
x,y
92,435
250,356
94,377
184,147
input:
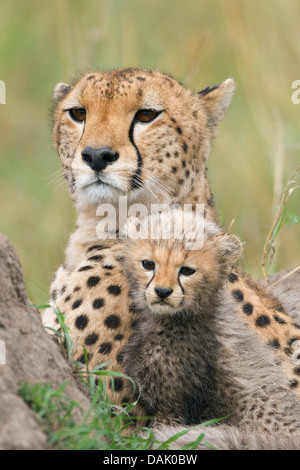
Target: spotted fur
x,y
164,162
198,361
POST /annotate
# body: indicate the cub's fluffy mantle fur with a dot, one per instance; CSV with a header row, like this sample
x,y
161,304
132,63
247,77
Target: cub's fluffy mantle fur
x,y
201,362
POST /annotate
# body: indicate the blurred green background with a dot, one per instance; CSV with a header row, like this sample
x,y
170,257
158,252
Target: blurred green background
x,y
199,42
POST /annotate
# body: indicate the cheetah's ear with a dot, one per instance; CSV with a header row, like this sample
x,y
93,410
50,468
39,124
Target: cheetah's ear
x,y
60,91
230,249
215,101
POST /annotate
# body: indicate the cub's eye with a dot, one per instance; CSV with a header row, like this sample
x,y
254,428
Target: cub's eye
x,y
78,114
186,271
146,115
148,265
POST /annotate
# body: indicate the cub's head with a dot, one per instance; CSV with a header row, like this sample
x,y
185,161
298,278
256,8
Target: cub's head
x,y
134,132
183,271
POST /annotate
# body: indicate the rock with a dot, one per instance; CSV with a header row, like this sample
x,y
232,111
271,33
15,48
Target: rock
x,y
31,356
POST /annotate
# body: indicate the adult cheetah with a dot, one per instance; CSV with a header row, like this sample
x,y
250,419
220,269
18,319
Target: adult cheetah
x,y
140,134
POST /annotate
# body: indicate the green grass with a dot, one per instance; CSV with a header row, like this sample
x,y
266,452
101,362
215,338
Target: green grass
x,y
199,42
68,427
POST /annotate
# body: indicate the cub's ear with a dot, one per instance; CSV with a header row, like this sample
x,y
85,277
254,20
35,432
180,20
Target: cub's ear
x,y
60,91
230,249
215,101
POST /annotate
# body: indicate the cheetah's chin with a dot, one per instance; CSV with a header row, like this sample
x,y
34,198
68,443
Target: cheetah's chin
x,y
99,191
163,308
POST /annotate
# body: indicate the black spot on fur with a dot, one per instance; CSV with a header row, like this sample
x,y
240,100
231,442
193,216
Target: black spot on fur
x,y
98,303
238,295
184,147
294,383
248,308
116,383
296,326
119,337
96,258
85,268
91,339
112,321
292,340
210,202
81,358
108,266
262,321
96,247
93,281
81,322
67,298
232,277
274,343
114,290
179,130
105,348
297,370
76,304
279,320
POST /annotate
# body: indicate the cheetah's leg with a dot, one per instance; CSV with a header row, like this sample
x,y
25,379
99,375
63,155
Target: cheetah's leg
x,y
268,317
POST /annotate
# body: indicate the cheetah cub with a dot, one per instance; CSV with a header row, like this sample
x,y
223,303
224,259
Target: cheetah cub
x,y
192,358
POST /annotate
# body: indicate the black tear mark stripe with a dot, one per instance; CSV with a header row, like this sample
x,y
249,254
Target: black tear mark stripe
x,y
136,181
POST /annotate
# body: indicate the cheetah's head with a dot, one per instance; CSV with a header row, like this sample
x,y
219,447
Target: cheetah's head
x,y
180,268
134,132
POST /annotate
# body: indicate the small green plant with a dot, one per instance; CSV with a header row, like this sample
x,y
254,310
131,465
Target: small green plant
x,y
280,217
68,427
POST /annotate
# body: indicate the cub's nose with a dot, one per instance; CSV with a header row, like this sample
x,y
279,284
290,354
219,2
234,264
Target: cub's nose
x,y
163,292
98,159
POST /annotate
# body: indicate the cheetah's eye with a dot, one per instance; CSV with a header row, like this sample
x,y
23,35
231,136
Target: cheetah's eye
x,y
78,114
146,115
186,271
148,265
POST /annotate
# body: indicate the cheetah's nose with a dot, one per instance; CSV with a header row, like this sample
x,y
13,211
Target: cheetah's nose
x,y
163,292
98,159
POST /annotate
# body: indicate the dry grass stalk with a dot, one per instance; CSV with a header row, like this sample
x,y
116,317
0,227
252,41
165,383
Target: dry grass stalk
x,y
269,246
